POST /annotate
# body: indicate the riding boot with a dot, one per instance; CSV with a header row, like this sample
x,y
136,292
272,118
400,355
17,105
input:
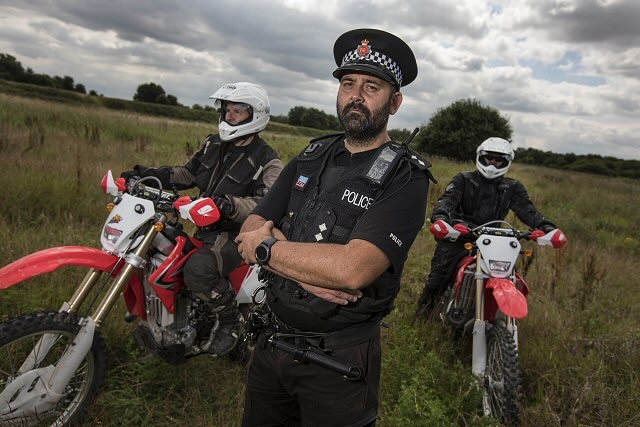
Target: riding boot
x,y
228,331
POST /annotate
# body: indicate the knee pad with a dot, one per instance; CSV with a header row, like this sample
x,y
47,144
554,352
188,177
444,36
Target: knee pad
x,y
201,272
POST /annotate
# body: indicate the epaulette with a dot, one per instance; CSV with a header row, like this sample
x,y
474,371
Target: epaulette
x,y
418,160
507,183
421,163
471,176
318,146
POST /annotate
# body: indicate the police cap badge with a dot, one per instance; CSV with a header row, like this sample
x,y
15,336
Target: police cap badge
x,y
375,52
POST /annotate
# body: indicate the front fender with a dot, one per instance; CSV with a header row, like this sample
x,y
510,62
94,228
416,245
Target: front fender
x,y
48,260
509,299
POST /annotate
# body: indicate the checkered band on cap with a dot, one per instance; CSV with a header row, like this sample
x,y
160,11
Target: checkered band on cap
x,y
375,57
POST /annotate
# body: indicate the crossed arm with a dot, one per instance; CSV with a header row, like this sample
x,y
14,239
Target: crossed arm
x,y
331,271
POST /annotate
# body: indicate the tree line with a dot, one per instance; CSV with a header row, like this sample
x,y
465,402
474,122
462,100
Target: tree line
x,y
589,163
453,131
11,69
456,130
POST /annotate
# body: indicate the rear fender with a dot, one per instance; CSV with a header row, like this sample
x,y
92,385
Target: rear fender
x,y
244,280
508,298
48,260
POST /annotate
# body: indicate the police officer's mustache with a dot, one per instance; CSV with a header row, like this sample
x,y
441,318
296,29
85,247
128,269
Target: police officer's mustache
x,y
357,107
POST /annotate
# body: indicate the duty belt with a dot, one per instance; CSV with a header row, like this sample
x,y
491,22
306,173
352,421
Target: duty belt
x,y
325,341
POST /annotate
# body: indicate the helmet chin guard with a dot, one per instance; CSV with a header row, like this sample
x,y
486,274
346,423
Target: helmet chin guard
x,y
246,93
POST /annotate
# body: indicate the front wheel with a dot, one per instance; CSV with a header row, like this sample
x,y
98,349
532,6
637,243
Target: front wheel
x,y
502,378
22,361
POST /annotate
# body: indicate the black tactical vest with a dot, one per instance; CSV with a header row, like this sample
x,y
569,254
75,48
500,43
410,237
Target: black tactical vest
x,y
326,203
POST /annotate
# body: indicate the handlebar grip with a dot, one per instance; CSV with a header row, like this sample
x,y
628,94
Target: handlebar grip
x,y
350,372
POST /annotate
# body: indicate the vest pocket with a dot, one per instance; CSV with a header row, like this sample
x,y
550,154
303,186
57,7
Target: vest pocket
x,y
242,173
321,226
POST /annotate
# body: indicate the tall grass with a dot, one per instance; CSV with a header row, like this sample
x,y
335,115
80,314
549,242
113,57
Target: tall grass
x,y
578,347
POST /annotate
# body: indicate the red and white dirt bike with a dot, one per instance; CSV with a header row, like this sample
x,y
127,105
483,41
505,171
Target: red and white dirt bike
x,y
53,364
484,299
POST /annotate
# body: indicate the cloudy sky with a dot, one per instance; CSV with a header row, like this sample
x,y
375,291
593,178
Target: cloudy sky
x,y
566,73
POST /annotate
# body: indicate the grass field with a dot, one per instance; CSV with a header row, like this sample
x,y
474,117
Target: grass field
x,y
579,347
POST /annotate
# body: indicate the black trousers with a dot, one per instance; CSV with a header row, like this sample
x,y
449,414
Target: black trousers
x,y
446,258
283,392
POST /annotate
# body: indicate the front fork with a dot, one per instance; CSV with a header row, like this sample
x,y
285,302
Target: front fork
x,y
133,260
479,349
56,378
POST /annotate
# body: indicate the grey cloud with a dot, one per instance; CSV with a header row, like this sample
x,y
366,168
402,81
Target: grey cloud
x,y
474,64
626,103
191,47
199,26
613,23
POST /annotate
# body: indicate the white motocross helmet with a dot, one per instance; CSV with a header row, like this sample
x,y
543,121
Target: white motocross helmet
x,y
246,93
494,147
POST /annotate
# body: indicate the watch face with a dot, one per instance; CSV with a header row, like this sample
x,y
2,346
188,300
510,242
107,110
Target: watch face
x,y
262,252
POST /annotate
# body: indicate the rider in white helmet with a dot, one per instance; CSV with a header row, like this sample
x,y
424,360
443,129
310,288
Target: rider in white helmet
x,y
475,197
236,168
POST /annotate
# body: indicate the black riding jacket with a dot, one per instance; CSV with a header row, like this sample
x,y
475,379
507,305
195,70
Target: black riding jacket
x,y
473,198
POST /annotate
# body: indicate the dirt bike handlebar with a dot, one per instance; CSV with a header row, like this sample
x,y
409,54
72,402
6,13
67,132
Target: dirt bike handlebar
x,y
489,228
350,372
163,200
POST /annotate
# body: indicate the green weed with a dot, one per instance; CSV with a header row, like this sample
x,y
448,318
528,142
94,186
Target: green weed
x,y
579,346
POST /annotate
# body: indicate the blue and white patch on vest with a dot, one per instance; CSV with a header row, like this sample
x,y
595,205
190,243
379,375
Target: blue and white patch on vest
x,y
301,182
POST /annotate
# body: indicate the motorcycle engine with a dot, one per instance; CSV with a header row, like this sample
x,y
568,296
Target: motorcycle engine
x,y
170,335
461,307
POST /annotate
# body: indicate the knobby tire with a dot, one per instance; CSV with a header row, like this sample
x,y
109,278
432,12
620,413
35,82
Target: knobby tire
x,y
18,337
502,379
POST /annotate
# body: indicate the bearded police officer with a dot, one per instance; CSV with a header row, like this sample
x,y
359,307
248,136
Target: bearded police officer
x,y
334,233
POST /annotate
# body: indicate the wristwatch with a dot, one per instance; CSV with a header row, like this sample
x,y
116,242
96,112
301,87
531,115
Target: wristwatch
x,y
263,251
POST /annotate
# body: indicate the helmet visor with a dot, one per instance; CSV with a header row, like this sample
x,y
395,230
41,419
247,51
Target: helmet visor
x,y
498,160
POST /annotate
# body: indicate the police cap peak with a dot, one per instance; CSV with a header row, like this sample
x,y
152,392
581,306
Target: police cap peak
x,y
376,52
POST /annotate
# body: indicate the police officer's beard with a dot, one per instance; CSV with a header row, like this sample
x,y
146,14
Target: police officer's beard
x,y
361,126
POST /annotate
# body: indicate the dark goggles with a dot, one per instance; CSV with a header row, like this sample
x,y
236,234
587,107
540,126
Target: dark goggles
x,y
500,160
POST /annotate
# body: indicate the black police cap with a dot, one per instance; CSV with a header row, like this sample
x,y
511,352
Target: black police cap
x,y
376,52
